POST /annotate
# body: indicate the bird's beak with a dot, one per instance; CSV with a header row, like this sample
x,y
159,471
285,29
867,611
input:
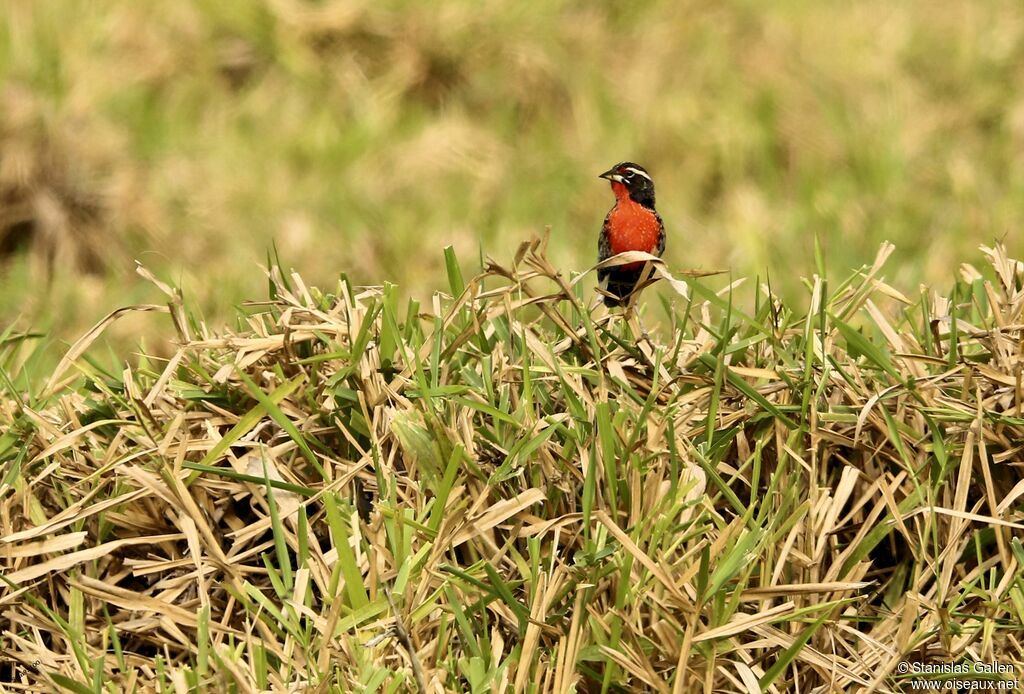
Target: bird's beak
x,y
611,176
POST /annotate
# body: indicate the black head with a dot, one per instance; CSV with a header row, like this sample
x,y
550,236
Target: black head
x,y
632,179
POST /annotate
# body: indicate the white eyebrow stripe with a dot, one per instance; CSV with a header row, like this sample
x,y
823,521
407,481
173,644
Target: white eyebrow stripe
x,y
638,172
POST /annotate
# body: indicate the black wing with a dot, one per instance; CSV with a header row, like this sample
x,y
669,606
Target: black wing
x,y
660,248
604,250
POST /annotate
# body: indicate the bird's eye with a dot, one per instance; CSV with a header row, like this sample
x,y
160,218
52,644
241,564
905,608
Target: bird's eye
x,y
627,174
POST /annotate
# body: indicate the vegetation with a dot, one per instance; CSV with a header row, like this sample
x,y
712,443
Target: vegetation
x,y
363,135
806,479
505,490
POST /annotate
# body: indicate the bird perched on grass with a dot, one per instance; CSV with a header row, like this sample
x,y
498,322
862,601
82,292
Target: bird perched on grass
x,y
631,225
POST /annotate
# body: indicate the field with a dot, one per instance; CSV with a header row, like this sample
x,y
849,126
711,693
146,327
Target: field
x,y
507,491
365,137
362,427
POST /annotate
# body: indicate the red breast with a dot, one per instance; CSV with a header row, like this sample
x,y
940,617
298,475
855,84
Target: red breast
x,y
631,226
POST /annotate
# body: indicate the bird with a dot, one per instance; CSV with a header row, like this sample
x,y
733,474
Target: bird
x,y
631,225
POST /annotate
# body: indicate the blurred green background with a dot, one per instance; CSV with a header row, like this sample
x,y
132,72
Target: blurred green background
x,y
363,137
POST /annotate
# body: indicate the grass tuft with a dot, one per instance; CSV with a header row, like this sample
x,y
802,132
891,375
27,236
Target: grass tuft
x,y
508,491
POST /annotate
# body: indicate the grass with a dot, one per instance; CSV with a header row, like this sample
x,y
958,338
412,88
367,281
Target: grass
x,y
502,489
190,135
793,483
